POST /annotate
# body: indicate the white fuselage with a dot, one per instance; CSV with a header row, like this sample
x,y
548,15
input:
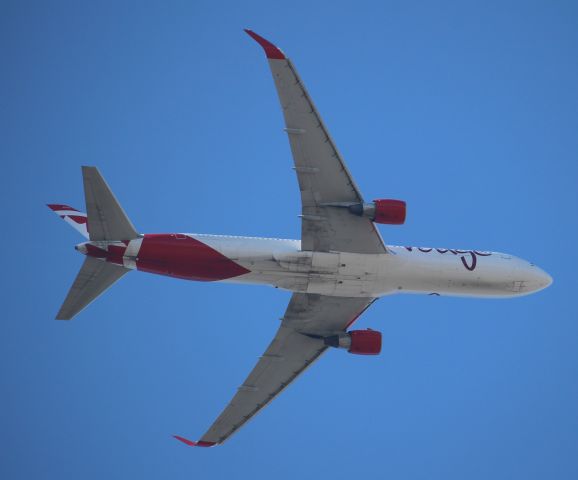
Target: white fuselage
x,y
282,264
473,273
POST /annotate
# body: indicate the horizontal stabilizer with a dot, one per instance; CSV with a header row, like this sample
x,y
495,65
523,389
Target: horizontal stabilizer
x,y
94,278
106,218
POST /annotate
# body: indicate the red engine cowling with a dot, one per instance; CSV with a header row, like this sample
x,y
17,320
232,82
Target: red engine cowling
x,y
365,342
391,212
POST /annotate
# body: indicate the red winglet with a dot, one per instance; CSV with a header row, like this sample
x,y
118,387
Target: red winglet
x,y
270,50
190,443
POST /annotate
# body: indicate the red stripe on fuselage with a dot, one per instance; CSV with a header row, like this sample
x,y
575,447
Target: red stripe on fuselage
x,y
113,253
185,257
94,251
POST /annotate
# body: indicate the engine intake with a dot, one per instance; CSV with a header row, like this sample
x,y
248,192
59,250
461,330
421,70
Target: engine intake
x,y
359,342
387,211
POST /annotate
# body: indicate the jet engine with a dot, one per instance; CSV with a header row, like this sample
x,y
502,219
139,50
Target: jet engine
x,y
360,342
391,212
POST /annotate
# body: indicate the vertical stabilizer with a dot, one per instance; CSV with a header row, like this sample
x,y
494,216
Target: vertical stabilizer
x,y
106,218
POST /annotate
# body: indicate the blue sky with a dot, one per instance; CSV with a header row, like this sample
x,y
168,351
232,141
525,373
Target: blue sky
x,y
466,110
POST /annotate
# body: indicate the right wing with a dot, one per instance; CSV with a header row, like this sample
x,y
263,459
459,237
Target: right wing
x,y
289,354
326,185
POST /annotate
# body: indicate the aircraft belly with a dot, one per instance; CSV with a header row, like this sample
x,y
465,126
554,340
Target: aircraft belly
x,y
323,273
281,263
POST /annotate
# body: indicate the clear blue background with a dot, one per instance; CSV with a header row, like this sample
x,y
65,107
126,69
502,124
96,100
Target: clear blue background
x,y
467,110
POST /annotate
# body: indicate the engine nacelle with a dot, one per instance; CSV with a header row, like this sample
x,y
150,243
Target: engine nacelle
x,y
360,342
388,211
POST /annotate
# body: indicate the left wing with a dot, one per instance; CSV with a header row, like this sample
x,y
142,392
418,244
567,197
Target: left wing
x,y
289,354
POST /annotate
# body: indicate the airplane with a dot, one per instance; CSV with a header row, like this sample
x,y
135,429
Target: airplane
x,y
335,272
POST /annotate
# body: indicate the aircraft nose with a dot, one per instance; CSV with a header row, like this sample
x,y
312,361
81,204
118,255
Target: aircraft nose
x,y
537,279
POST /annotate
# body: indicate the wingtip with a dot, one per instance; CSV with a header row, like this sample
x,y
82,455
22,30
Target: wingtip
x,y
271,50
190,443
